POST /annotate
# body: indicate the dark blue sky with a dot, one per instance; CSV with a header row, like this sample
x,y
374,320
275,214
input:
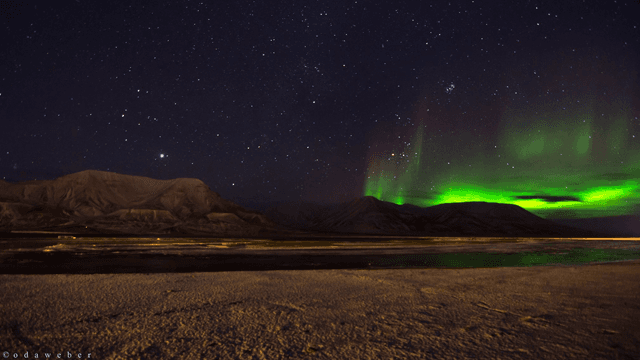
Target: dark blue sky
x,y
274,101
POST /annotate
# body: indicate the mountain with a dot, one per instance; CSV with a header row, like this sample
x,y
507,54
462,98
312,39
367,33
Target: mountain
x,y
495,219
367,215
101,202
106,202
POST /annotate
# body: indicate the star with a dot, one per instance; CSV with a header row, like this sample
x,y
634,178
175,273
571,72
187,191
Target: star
x,y
450,88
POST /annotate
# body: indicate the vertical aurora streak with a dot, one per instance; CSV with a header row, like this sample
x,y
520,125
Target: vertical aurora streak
x,y
395,176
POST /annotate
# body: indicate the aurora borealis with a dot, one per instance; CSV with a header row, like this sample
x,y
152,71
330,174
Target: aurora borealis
x,y
534,103
566,147
553,161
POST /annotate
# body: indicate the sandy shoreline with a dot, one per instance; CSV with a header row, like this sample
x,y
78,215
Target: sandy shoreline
x,y
550,312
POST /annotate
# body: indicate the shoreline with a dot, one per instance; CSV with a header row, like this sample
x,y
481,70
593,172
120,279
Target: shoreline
x,y
82,256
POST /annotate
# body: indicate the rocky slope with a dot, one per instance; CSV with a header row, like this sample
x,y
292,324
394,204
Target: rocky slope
x,y
105,202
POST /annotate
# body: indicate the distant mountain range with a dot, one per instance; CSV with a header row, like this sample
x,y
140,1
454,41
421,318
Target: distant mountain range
x,y
471,219
98,202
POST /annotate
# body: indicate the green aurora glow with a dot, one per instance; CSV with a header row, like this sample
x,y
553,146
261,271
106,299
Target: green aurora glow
x,y
577,256
555,164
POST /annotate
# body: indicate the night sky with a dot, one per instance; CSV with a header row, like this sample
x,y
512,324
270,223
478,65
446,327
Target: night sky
x,y
424,102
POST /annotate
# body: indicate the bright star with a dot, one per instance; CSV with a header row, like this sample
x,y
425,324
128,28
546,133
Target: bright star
x,y
449,88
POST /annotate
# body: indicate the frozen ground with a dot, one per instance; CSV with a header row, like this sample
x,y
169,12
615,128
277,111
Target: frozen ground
x,y
544,312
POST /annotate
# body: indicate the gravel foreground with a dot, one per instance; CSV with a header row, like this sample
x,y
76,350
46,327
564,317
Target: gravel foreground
x,y
545,312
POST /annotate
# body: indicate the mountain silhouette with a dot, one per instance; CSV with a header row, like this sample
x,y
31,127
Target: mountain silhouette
x,y
368,215
99,202
105,202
